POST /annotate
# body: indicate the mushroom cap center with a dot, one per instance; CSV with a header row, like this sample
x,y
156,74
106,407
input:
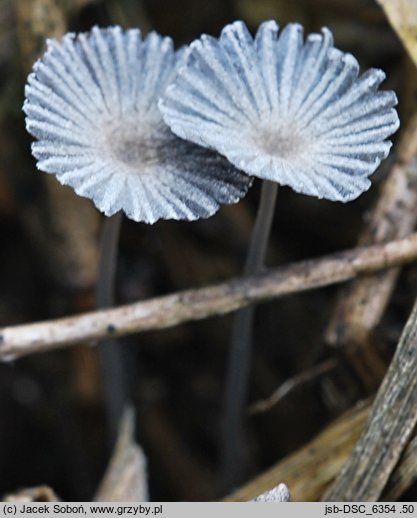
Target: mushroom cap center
x,y
287,144
133,151
135,148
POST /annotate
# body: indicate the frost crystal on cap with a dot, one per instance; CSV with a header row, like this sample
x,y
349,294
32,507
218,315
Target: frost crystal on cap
x,y
91,102
284,109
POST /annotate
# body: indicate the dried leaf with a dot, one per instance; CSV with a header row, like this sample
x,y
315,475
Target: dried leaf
x,y
37,20
125,479
66,229
33,494
402,14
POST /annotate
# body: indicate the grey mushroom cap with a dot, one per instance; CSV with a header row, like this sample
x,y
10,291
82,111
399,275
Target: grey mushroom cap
x,y
91,103
285,109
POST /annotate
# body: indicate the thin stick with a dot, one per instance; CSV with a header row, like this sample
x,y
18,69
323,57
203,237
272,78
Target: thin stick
x,y
390,424
112,361
240,350
219,299
289,385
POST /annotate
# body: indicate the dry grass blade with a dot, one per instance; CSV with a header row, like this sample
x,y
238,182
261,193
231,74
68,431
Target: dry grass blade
x,y
393,417
312,468
170,310
309,470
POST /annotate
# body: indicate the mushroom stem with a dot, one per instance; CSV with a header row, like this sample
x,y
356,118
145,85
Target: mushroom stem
x,y
240,348
108,260
111,356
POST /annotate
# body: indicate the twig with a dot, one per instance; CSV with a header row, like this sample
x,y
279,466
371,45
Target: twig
x,y
388,429
361,304
289,385
170,310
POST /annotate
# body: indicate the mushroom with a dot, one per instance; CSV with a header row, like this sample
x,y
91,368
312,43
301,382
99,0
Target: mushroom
x,y
91,103
290,112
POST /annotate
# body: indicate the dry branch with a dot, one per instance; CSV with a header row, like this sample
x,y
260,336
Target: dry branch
x,y
361,305
290,384
167,311
392,419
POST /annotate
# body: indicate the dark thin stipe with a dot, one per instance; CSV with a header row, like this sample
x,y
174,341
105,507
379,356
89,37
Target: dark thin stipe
x,y
237,381
111,354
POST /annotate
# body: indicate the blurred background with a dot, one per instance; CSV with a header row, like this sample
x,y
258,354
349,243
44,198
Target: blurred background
x,y
52,424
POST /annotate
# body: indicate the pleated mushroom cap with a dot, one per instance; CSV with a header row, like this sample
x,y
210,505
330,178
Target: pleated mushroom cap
x,y
285,109
91,102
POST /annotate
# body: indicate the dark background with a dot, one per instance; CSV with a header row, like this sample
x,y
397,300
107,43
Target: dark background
x,y
52,422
